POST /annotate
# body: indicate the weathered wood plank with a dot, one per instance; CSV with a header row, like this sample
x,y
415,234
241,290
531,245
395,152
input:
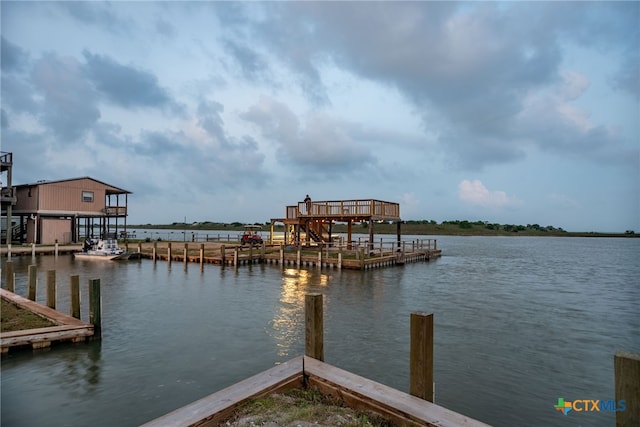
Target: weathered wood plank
x,y
60,333
360,392
46,312
627,387
215,408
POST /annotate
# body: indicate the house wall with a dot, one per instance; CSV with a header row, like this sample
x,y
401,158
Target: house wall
x,y
26,198
55,229
67,196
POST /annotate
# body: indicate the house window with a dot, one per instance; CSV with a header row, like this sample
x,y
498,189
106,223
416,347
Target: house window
x,y
87,196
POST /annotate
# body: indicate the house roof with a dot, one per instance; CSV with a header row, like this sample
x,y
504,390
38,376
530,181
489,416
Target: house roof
x,y
110,190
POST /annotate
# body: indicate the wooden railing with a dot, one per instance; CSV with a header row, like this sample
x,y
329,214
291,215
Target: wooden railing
x,y
6,159
375,209
115,210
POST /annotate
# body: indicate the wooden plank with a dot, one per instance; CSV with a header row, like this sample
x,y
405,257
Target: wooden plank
x,y
54,334
41,310
215,408
627,387
400,407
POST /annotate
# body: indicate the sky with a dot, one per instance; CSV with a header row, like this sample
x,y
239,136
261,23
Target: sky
x,y
505,112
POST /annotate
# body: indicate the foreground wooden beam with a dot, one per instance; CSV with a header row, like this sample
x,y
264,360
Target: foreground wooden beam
x,y
361,393
356,392
217,407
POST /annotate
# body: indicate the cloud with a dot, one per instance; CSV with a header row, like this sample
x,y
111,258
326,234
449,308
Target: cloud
x,y
70,103
125,86
468,68
319,143
12,58
475,193
97,13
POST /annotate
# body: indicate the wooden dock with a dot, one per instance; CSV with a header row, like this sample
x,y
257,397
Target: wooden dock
x,y
301,256
355,255
67,328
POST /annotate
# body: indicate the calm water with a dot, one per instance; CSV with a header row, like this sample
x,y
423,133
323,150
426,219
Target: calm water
x,y
519,323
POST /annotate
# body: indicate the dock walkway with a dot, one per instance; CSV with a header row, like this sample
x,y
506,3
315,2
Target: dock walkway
x,y
231,254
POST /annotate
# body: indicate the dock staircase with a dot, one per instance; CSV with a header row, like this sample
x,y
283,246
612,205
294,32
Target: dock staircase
x,y
317,230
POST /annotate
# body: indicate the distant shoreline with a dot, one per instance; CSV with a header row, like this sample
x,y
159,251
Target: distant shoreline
x,y
457,228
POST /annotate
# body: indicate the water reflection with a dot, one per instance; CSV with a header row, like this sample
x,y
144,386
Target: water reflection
x,y
81,373
288,322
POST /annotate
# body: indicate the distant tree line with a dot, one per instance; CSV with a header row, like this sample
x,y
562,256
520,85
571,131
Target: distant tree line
x,y
464,224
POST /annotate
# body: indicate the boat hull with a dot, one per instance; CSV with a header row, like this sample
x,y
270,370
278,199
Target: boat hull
x,y
106,257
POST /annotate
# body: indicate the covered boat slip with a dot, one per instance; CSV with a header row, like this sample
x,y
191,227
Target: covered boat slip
x,y
313,220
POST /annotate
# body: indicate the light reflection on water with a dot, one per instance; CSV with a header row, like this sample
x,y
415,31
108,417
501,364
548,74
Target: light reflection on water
x,y
518,320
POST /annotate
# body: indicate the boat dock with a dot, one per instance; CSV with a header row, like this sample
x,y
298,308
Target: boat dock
x,y
357,255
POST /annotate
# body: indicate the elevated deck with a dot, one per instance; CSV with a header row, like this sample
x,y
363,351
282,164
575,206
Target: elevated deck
x,y
312,220
345,211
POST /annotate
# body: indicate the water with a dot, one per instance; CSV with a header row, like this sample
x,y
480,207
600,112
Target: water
x,y
519,322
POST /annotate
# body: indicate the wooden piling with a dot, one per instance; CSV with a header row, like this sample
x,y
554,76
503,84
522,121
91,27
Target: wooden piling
x,y
626,368
223,255
51,289
169,252
282,254
201,256
74,289
33,250
235,257
313,331
32,278
95,307
186,253
56,248
9,276
421,356
155,252
139,247
319,259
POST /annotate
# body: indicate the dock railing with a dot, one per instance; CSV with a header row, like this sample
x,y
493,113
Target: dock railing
x,y
345,209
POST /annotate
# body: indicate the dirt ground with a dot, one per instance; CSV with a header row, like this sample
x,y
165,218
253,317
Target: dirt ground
x,y
299,408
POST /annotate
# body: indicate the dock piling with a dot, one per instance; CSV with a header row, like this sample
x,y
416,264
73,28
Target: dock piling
x,y
201,256
313,329
51,289
74,290
627,387
95,307
32,279
9,276
421,356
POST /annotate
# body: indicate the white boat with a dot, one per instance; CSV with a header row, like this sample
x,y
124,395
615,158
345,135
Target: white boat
x,y
102,249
